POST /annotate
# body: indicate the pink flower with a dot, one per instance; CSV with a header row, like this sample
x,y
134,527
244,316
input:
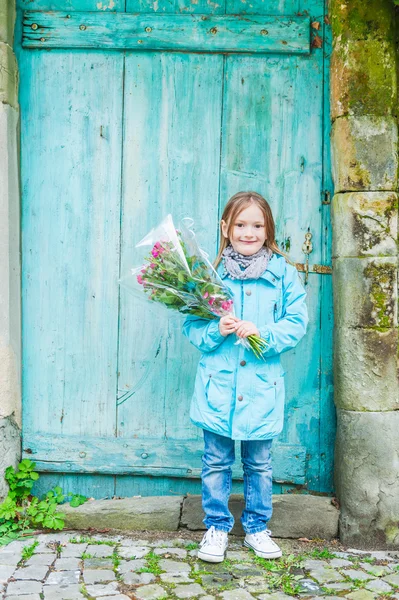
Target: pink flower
x,y
153,266
140,279
155,252
158,247
226,305
211,300
206,295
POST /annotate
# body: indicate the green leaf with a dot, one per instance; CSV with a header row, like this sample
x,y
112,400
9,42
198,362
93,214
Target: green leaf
x,y
77,500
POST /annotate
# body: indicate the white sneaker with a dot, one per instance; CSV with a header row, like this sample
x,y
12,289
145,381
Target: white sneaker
x,y
262,544
213,545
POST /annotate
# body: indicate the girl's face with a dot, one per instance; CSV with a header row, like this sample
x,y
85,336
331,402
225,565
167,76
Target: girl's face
x,y
249,230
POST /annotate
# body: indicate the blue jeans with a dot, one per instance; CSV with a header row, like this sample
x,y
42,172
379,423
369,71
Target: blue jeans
x,y
217,461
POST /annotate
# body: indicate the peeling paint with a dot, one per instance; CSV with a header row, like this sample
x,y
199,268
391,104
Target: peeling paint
x,y
110,6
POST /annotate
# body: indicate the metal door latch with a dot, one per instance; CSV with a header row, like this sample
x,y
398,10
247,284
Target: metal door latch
x,y
307,248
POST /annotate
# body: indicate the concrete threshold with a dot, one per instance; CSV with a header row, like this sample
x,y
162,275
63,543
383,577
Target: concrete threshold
x,y
294,515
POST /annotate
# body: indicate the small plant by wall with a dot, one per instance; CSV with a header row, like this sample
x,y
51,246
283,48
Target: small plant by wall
x,y
21,513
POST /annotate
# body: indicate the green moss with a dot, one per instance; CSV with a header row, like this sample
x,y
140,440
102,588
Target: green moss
x,y
381,279
372,222
357,19
359,176
392,532
364,56
371,87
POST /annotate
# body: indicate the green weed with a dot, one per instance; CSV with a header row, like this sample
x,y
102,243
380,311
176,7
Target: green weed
x,y
323,554
192,546
153,567
28,551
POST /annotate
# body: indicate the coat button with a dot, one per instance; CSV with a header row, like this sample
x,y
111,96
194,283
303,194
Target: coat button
x,y
275,383
248,292
273,279
243,363
240,398
210,375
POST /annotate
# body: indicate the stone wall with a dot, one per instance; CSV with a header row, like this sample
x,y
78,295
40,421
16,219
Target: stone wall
x,y
365,270
10,289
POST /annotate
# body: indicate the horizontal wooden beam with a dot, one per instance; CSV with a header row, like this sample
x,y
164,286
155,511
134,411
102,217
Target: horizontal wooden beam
x,y
185,33
156,457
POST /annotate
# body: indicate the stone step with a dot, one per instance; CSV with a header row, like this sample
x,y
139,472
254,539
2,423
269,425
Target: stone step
x,y
294,515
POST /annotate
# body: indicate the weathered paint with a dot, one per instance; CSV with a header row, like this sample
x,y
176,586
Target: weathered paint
x,y
120,139
156,457
187,33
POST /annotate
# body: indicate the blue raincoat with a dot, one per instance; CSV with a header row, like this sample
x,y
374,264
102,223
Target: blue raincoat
x,y
236,394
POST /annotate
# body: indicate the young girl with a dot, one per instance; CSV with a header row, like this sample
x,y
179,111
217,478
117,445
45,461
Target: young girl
x,y
238,396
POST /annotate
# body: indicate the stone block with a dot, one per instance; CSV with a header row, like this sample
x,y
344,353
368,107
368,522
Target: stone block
x,y
7,19
356,19
365,292
10,450
367,478
98,575
365,369
68,592
8,76
5,573
294,515
126,514
34,572
20,587
10,294
354,166
365,224
150,592
363,77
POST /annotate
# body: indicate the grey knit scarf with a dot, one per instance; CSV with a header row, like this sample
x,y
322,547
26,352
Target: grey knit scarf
x,y
240,266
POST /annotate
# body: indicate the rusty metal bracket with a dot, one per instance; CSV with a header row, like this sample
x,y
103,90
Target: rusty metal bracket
x,y
321,269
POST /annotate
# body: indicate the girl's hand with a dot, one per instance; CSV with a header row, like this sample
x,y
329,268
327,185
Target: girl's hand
x,y
246,328
227,325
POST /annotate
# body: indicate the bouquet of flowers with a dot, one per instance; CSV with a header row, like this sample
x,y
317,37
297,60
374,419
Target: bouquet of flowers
x,y
178,274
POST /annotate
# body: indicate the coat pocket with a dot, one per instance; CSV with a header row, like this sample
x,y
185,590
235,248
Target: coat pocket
x,y
217,388
265,396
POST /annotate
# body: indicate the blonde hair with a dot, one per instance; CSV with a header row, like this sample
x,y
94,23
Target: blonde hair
x,y
234,206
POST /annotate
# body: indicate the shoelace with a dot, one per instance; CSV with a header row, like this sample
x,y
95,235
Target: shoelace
x,y
261,535
213,536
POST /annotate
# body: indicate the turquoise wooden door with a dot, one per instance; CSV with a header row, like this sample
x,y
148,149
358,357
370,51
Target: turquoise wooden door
x,y
161,107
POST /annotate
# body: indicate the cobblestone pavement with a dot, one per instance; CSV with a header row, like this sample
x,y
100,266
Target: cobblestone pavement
x,y
71,566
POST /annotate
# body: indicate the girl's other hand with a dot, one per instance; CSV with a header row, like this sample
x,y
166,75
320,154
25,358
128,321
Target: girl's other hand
x,y
246,328
227,325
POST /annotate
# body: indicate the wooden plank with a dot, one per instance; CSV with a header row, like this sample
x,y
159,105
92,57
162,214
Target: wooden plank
x,y
176,6
327,406
278,152
170,164
263,7
96,5
87,484
156,457
134,485
190,33
71,114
